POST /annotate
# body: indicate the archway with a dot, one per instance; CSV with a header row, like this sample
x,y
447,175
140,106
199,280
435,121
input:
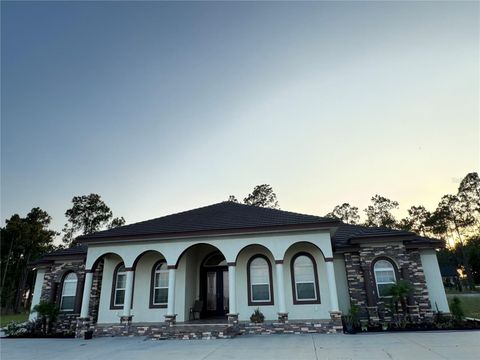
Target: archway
x,y
206,281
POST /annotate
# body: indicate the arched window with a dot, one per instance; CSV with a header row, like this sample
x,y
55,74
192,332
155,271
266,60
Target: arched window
x,y
304,279
69,290
384,276
119,286
259,278
159,285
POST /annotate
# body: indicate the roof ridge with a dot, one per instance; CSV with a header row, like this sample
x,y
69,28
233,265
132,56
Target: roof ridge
x,y
280,210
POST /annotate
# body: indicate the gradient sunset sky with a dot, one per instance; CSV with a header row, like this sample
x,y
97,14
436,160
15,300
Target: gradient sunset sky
x,y
163,107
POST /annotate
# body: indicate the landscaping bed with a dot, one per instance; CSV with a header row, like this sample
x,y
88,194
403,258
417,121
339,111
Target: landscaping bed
x,y
42,336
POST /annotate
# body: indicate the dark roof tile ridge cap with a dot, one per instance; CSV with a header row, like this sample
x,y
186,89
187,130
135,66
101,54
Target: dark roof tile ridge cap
x,y
282,211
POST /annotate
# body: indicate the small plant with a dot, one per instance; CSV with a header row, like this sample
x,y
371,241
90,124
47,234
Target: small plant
x,y
351,320
399,293
385,326
456,309
47,312
257,316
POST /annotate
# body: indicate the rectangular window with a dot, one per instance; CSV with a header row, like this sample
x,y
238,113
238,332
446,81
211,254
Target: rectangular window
x,y
68,295
384,289
260,292
160,291
120,289
306,291
68,303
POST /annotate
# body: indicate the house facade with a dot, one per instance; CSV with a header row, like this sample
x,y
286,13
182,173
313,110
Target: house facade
x,y
219,263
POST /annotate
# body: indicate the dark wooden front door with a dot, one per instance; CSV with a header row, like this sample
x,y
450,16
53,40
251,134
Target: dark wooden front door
x,y
215,291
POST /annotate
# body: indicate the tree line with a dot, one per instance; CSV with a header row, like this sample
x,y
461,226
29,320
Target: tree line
x,y
456,220
25,239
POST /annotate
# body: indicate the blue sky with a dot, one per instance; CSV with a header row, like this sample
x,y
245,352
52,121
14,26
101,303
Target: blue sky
x,y
162,107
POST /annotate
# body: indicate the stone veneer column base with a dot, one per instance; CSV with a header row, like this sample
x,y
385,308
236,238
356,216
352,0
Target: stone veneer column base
x,y
373,314
336,321
126,320
283,317
171,319
185,331
232,319
83,324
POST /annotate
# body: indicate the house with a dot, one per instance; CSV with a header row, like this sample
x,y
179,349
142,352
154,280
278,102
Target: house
x,y
225,260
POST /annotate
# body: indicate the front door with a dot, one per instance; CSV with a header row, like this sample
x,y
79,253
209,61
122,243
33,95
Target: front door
x,y
216,291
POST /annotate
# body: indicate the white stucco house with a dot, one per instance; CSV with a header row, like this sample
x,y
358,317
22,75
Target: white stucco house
x,y
218,263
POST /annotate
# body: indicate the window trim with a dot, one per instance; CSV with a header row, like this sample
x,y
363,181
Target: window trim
x,y
74,296
113,306
152,305
249,284
395,273
315,274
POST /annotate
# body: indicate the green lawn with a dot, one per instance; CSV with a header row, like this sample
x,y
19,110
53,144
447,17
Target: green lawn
x,y
470,303
5,319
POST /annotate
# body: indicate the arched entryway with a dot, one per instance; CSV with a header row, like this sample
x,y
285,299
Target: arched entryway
x,y
214,285
205,272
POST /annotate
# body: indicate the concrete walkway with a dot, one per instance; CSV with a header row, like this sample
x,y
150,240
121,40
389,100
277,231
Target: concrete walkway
x,y
462,345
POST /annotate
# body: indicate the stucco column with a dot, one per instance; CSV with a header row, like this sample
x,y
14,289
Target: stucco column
x,y
37,292
232,297
171,291
332,285
87,287
127,304
282,309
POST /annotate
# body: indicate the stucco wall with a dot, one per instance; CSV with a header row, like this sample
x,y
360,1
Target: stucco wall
x,y
105,315
342,283
188,276
433,277
37,291
307,311
244,310
141,292
230,246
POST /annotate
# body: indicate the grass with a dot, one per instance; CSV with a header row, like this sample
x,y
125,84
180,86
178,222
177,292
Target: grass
x,y
469,302
5,319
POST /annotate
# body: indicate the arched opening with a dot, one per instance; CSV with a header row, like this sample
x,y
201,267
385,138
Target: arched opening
x,y
255,262
206,282
103,267
151,280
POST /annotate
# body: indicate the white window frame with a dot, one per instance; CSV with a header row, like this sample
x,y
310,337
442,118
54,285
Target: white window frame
x,y
159,270
391,268
313,282
65,281
252,284
124,273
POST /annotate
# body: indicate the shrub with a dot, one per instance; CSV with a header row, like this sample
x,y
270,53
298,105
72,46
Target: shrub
x,y
456,309
47,312
399,293
13,328
22,329
257,316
